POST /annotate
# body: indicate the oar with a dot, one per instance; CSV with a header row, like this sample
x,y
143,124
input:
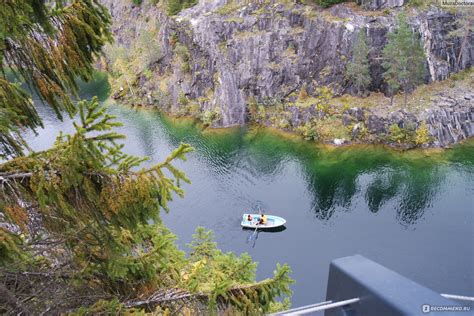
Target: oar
x,y
249,238
255,240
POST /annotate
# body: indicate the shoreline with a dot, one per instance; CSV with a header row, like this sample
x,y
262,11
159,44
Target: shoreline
x,y
288,134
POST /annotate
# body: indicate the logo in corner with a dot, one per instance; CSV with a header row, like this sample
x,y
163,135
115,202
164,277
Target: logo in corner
x,y
457,3
425,308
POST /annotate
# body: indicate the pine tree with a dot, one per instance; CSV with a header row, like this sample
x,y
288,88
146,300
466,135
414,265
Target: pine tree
x,y
47,46
175,6
358,69
403,59
129,63
328,3
80,225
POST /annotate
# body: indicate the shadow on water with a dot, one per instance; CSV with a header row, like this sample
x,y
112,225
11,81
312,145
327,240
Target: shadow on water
x,y
334,184
99,86
333,175
220,150
267,230
254,233
402,209
416,188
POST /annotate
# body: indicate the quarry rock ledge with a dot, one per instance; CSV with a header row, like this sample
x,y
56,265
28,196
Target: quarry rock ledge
x,y
271,51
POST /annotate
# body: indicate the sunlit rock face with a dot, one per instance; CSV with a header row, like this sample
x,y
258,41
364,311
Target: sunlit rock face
x,y
450,119
270,51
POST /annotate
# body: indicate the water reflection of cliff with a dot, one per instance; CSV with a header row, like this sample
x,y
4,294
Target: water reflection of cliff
x,y
410,182
335,176
220,150
144,128
414,187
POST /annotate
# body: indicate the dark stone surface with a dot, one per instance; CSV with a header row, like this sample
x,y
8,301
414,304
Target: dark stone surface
x,y
376,124
380,291
271,53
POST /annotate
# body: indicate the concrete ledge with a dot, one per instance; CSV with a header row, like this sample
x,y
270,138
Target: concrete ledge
x,y
381,291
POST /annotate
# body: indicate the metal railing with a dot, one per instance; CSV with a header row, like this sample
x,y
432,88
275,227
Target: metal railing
x,y
384,292
318,307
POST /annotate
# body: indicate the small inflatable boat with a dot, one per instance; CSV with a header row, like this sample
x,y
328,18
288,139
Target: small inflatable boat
x,y
272,221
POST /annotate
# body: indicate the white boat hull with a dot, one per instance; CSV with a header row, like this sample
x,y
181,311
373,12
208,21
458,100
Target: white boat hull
x,y
272,221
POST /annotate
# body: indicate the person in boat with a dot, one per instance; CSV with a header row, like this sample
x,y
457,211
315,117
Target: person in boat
x,y
263,220
249,218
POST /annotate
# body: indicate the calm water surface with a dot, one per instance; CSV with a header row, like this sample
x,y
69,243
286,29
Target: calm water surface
x,y
412,212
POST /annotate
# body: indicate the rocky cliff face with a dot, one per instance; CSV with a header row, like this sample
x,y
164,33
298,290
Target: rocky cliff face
x,y
240,52
380,4
450,118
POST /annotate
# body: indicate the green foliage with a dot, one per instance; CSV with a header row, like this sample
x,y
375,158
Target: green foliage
x,y
137,2
81,228
276,112
212,270
203,245
194,109
146,50
48,45
257,111
183,53
422,135
358,69
404,59
175,6
261,113
462,75
308,130
323,129
209,117
362,131
328,3
229,7
173,39
416,3
283,122
102,307
280,306
252,108
182,99
89,197
323,100
186,67
415,136
11,244
422,3
188,107
398,135
127,64
102,211
148,74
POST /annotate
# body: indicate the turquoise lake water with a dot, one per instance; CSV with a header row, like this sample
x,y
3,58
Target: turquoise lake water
x,y
410,211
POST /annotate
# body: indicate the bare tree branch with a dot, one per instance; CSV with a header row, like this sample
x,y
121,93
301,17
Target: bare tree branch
x,y
9,299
